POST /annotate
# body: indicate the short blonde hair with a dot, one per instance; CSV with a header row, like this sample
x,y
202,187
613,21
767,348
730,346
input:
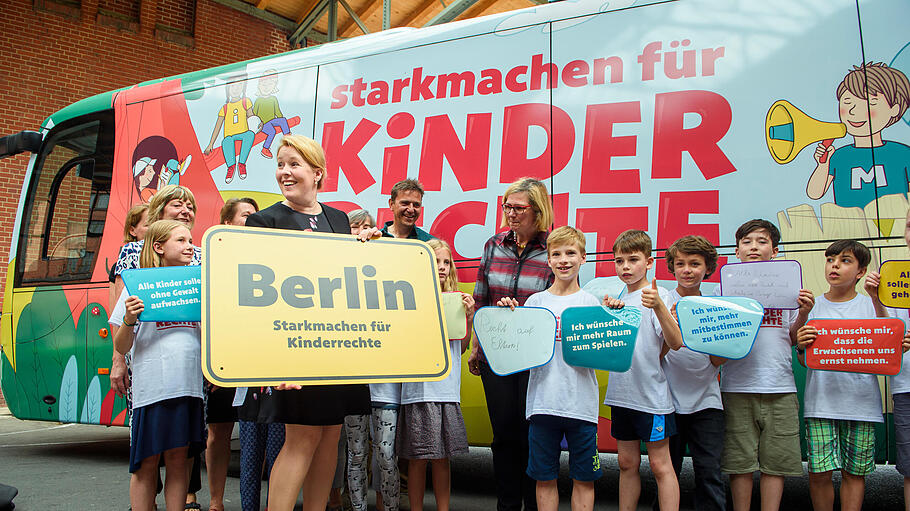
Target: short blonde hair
x,y
566,235
158,232
310,150
165,195
633,240
451,283
133,217
537,197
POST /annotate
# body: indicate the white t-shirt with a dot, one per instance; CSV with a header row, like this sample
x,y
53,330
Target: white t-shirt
x,y
644,386
900,382
389,393
166,358
443,391
836,394
557,388
691,376
768,368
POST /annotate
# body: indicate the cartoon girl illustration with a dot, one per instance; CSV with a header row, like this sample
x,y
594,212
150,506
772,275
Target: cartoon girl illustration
x,y
233,118
155,164
266,108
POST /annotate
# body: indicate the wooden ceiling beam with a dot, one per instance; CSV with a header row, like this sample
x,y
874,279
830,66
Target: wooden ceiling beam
x,y
349,26
416,13
307,10
475,10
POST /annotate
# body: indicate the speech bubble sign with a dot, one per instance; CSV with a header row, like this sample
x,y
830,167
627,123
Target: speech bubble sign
x,y
516,340
600,286
315,308
870,346
598,337
721,326
456,316
168,293
775,284
894,290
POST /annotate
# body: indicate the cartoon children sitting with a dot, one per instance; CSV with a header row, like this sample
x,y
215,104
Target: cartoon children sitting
x,y
232,116
266,108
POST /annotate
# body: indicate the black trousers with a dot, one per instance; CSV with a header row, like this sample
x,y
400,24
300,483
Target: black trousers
x,y
703,433
506,397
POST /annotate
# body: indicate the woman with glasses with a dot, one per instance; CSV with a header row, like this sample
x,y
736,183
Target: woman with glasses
x,y
514,264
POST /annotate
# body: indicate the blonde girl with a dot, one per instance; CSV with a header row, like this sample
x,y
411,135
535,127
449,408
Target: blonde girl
x,y
166,379
430,425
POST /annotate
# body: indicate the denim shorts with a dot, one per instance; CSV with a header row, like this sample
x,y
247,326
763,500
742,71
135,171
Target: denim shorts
x,y
545,438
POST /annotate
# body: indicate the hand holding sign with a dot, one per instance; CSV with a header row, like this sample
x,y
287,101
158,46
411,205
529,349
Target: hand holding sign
x,y
775,284
169,293
599,338
721,326
854,345
515,340
894,285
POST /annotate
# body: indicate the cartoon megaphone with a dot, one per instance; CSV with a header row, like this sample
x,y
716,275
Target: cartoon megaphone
x,y
788,130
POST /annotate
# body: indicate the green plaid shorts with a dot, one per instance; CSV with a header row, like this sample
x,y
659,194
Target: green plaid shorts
x,y
836,444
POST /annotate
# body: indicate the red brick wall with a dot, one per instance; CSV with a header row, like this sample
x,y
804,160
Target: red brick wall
x,y
55,53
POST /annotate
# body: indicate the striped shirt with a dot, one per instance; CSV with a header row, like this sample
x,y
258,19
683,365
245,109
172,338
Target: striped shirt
x,y
505,273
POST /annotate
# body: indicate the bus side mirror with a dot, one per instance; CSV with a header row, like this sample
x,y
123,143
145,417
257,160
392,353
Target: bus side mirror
x,y
23,141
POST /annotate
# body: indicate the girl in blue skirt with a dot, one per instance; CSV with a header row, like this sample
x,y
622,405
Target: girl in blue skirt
x,y
167,379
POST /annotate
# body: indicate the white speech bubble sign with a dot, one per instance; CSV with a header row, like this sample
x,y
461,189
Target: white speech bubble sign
x,y
774,284
515,340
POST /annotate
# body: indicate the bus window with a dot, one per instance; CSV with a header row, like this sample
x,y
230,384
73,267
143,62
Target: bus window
x,y
67,204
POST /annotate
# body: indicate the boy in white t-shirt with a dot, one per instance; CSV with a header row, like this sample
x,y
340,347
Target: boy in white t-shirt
x,y
639,399
841,408
692,378
562,399
758,391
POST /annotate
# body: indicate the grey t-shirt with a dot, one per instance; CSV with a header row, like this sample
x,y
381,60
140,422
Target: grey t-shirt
x,y
644,386
166,358
691,376
837,394
556,388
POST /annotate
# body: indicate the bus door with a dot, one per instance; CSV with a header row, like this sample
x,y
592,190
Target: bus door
x,y
62,346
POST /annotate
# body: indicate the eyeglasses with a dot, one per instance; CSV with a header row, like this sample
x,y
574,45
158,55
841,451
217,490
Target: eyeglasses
x,y
508,208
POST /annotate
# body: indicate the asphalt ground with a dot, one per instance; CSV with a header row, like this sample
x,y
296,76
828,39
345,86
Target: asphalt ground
x,y
69,466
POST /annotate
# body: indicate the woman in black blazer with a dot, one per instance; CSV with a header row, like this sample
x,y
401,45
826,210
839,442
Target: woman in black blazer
x,y
313,415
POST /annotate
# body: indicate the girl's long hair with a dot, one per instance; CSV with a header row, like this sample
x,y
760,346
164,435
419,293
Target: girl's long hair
x,y
159,232
451,282
133,216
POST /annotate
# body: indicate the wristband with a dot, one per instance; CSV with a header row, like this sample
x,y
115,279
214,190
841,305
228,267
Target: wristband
x,y
130,324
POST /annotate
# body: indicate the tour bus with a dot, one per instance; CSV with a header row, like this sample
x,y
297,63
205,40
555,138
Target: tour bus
x,y
675,117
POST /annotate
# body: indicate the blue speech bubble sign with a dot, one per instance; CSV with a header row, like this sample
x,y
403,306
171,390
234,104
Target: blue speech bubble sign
x,y
516,340
599,338
721,326
169,293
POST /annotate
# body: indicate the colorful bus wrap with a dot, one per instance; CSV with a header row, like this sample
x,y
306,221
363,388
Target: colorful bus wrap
x,y
675,117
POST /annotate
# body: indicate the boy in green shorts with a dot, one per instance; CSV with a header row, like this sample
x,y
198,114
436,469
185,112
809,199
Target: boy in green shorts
x,y
841,408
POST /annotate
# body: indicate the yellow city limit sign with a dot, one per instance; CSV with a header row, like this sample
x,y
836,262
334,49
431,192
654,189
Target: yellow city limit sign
x,y
283,306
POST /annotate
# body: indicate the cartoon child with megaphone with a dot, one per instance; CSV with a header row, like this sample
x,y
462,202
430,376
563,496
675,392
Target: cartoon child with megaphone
x,y
853,169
